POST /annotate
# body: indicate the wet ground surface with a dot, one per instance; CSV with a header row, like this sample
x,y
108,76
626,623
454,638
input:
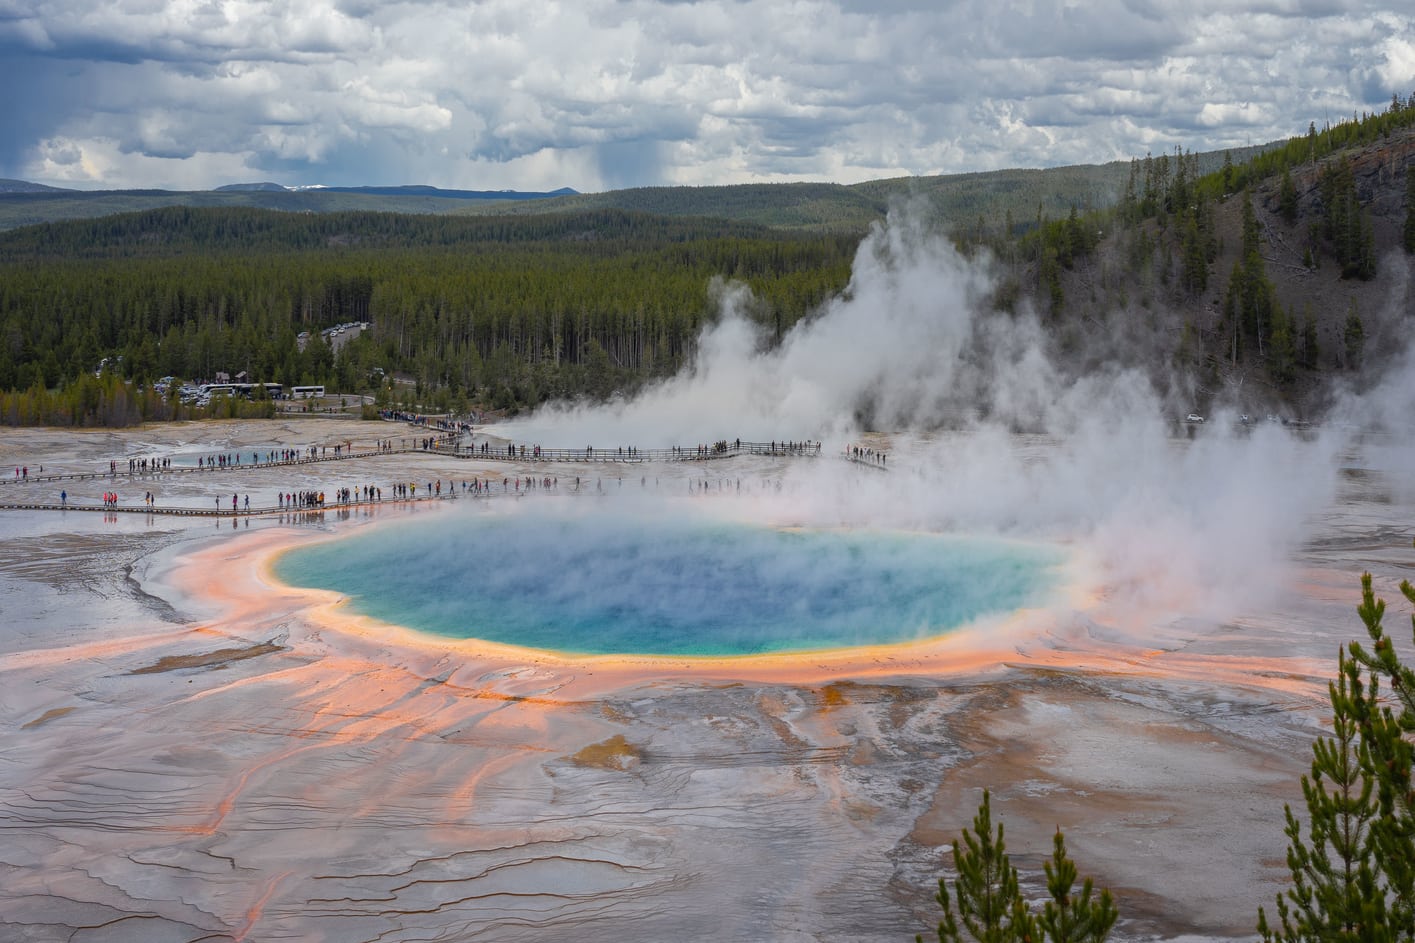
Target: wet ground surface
x,y
191,752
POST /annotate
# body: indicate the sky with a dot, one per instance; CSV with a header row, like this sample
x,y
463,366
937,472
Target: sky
x,y
608,94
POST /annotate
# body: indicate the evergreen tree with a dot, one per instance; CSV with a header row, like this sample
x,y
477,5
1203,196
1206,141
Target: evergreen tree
x,y
989,898
1392,756
1310,352
1068,917
1196,263
1282,349
1354,336
1353,872
1287,198
1351,235
1250,303
1334,884
1251,243
1409,210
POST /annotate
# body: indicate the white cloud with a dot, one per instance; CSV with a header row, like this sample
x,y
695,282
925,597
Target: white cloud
x,y
629,92
1398,59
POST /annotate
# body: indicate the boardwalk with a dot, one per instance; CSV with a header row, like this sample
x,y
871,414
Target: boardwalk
x,y
147,474
15,496
630,455
486,451
868,462
215,511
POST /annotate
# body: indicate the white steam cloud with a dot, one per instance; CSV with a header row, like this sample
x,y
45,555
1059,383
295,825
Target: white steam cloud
x,y
1033,448
903,342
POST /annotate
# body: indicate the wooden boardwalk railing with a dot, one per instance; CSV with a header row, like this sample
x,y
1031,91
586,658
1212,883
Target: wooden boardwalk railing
x,y
513,452
214,511
590,454
149,473
510,452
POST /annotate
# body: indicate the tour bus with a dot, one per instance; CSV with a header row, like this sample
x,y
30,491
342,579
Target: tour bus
x,y
208,390
306,392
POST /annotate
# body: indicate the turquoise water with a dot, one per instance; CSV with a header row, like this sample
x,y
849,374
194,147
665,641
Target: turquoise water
x,y
606,583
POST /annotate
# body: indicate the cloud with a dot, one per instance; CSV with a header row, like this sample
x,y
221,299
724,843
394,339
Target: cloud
x,y
612,93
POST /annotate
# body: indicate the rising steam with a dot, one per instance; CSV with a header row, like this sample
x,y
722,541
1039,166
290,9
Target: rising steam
x,y
914,348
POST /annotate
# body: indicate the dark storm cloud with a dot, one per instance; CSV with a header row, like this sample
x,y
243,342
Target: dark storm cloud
x,y
611,93
1106,31
52,90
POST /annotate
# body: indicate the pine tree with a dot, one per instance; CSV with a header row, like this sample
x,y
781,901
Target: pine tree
x,y
1287,198
1310,352
1196,263
1251,243
1068,917
1355,337
1409,210
1353,872
1351,234
1334,885
1392,757
989,896
1282,347
987,889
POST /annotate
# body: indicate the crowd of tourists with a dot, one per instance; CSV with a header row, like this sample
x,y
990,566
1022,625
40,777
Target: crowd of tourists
x,y
451,433
863,453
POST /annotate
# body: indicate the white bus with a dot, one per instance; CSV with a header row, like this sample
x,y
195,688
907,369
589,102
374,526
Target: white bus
x,y
306,392
273,390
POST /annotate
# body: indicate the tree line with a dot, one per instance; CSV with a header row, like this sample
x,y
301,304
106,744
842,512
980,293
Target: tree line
x,y
1164,232
510,311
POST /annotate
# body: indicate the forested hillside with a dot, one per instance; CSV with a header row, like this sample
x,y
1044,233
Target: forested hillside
x,y
33,208
1256,280
501,311
827,207
1010,199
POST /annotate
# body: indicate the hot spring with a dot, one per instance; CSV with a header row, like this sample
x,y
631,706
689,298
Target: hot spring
x,y
631,581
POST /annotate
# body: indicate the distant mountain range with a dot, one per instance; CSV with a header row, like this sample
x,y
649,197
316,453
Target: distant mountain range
x,y
24,186
414,190
1021,194
26,204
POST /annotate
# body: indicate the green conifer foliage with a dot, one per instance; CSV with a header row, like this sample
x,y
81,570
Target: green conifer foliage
x,y
1069,917
1352,239
1287,197
1282,349
1353,870
1391,752
1355,336
1310,351
989,899
1409,210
